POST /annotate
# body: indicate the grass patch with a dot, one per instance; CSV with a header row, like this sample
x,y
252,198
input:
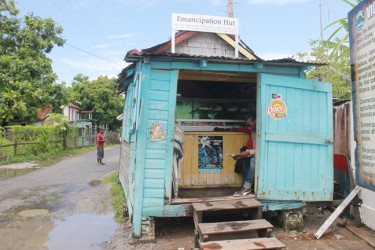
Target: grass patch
x,y
48,158
118,196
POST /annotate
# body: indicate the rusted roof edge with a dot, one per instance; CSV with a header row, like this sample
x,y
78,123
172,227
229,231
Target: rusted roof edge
x,y
285,61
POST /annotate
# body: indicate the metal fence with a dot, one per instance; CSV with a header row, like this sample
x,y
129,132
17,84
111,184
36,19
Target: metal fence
x,y
20,143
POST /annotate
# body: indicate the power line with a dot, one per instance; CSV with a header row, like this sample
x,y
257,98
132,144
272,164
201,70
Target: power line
x,y
89,53
91,24
70,19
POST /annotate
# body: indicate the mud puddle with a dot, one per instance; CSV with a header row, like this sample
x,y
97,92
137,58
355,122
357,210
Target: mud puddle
x,y
84,231
6,173
39,229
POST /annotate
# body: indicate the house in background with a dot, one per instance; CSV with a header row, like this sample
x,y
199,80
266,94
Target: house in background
x,y
43,115
75,113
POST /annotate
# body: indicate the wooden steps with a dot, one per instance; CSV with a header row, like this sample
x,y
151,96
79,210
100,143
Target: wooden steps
x,y
209,231
257,243
245,234
227,205
207,199
251,206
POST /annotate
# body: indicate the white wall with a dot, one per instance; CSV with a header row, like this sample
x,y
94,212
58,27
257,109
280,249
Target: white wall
x,y
367,196
368,207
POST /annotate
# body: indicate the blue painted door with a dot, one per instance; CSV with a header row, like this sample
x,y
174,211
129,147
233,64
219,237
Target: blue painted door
x,y
295,135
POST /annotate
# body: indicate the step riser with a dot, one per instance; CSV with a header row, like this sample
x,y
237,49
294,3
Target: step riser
x,y
249,234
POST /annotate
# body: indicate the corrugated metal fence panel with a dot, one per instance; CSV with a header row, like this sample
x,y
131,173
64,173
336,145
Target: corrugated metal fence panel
x,y
342,129
125,173
294,158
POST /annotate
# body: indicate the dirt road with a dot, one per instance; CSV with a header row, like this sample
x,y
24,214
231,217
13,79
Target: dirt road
x,y
66,206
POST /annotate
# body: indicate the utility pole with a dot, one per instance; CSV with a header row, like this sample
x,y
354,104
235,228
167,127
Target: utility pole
x,y
321,22
230,8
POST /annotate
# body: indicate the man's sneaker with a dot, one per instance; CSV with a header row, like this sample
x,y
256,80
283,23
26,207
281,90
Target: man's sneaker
x,y
243,192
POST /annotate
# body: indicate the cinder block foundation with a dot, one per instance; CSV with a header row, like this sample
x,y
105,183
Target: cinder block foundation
x,y
291,220
148,230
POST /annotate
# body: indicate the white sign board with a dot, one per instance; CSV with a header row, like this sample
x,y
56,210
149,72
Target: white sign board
x,y
362,50
214,24
202,23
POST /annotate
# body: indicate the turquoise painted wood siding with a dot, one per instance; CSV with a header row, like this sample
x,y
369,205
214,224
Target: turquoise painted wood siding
x,y
160,103
127,169
295,153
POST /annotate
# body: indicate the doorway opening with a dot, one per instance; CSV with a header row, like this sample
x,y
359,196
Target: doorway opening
x,y
208,105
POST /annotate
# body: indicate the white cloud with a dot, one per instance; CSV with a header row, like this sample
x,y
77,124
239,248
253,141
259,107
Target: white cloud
x,y
216,2
94,67
101,46
126,35
142,3
112,45
273,56
109,52
277,2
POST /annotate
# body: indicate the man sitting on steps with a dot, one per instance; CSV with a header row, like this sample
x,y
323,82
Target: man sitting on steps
x,y
246,159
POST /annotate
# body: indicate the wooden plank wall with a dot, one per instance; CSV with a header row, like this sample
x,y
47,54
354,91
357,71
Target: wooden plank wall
x,y
157,153
193,177
126,172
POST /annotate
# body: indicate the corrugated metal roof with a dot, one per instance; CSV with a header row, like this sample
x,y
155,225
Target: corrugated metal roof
x,y
161,51
134,57
73,106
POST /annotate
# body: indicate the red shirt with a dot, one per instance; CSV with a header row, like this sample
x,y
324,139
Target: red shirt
x,y
246,130
99,140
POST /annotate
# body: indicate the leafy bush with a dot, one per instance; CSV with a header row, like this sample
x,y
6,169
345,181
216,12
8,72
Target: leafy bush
x,y
118,196
36,140
5,150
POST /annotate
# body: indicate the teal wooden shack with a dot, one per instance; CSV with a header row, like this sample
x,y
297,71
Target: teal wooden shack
x,y
202,86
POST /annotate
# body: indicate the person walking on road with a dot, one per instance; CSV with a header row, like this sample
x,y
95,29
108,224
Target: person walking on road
x,y
100,147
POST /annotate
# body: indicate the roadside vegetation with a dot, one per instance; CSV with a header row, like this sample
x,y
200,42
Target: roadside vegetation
x,y
118,196
41,160
334,55
48,158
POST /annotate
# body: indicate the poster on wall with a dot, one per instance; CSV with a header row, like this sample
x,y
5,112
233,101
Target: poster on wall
x,y
362,58
157,130
210,152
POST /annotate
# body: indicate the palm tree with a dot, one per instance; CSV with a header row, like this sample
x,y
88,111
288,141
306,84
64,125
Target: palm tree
x,y
341,24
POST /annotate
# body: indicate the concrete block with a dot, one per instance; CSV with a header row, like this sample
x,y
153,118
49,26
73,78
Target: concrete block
x,y
206,52
218,46
291,220
211,45
194,44
195,51
148,230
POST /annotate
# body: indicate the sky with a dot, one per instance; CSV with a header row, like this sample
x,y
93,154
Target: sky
x,y
99,33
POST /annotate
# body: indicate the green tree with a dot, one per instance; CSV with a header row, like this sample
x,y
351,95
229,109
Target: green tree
x,y
335,53
26,76
339,26
54,119
335,69
100,96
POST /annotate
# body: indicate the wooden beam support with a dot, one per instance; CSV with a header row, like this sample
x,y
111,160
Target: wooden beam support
x,y
337,212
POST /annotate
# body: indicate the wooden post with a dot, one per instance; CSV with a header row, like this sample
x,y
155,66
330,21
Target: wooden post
x,y
15,148
230,8
356,213
337,212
